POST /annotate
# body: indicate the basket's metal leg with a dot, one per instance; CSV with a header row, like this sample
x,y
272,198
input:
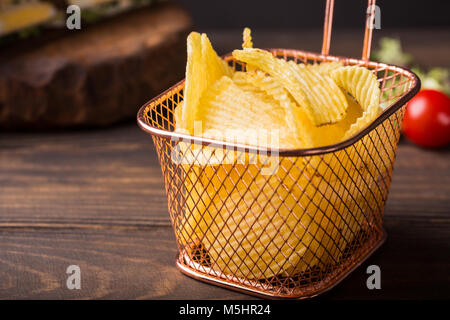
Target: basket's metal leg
x,y
327,26
368,30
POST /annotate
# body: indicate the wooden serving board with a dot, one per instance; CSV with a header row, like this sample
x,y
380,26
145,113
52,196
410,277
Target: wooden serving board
x,y
95,76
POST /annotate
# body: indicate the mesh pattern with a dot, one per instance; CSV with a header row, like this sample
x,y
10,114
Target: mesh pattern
x,y
294,233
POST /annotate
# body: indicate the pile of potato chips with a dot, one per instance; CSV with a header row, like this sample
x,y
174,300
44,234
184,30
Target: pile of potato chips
x,y
310,105
251,225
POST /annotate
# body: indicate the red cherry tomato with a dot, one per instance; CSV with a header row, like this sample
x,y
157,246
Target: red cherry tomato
x,y
427,119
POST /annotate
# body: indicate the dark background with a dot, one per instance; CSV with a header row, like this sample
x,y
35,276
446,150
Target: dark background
x,y
309,13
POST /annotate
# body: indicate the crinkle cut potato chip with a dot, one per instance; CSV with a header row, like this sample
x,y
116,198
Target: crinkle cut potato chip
x,y
362,84
325,67
250,223
322,99
247,39
203,68
259,81
228,112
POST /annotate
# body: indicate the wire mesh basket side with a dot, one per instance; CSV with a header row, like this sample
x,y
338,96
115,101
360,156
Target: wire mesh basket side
x,y
311,202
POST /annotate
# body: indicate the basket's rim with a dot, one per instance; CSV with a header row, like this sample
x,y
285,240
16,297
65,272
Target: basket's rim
x,y
283,151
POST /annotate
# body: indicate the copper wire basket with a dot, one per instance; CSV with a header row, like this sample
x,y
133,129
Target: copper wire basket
x,y
309,225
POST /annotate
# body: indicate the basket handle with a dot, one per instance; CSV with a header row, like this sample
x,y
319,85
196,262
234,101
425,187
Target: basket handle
x,y
328,23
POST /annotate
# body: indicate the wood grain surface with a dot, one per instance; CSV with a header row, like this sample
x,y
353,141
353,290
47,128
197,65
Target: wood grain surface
x,y
95,198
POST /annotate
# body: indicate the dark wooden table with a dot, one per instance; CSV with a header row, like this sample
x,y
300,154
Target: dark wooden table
x,y
95,199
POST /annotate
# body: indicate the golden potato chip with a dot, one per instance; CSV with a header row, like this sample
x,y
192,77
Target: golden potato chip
x,y
325,67
259,81
246,81
333,133
307,134
247,43
227,112
202,69
323,92
322,99
247,38
277,68
362,84
195,83
177,115
215,65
